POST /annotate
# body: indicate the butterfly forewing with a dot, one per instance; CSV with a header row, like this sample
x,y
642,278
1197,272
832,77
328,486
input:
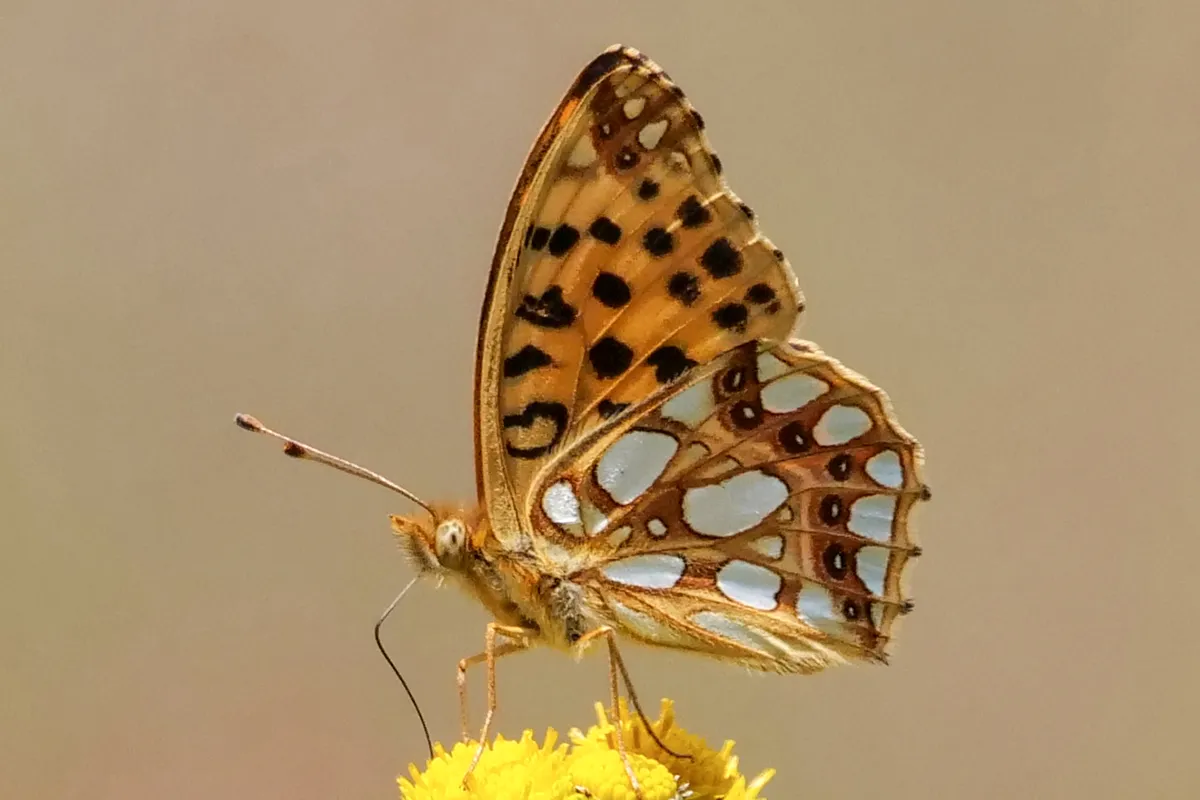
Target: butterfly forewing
x,y
626,261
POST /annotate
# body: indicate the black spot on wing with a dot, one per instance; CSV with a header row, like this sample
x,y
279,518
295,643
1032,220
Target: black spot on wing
x,y
627,159
731,316
746,414
759,294
562,240
537,237
669,363
547,311
608,408
721,259
610,357
605,230
527,359
555,413
692,213
684,287
647,189
831,510
733,379
836,561
611,290
850,609
658,242
793,438
839,467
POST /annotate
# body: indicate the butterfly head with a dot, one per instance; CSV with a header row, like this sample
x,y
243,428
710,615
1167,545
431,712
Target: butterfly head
x,y
438,544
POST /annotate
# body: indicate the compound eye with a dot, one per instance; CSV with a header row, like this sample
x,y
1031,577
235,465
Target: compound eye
x,y
451,536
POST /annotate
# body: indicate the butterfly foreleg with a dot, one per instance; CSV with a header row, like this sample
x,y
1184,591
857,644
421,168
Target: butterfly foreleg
x,y
502,649
518,640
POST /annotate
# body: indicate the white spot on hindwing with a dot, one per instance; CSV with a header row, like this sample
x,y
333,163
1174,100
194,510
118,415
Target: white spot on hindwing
x,y
650,571
691,406
634,106
738,631
872,516
804,651
717,468
583,154
792,392
885,469
656,527
769,546
564,560
594,520
560,504
814,604
633,463
877,610
620,535
734,505
647,627
871,566
840,424
683,462
749,584
651,134
770,367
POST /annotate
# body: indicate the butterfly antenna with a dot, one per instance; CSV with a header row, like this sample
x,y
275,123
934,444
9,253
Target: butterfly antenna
x,y
392,664
297,449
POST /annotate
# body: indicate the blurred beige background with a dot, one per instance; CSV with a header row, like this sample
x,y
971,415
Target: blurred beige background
x,y
289,208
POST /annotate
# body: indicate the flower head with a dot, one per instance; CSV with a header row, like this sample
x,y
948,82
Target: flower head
x,y
707,773
507,769
591,767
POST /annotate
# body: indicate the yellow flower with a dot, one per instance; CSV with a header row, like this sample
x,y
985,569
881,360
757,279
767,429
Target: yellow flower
x,y
590,768
507,770
708,773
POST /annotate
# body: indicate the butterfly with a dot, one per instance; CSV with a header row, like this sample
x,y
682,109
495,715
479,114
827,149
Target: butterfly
x,y
657,459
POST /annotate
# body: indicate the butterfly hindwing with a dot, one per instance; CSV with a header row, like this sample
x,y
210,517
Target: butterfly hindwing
x,y
759,510
624,263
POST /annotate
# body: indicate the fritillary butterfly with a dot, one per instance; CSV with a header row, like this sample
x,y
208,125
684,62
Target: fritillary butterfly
x,y
656,457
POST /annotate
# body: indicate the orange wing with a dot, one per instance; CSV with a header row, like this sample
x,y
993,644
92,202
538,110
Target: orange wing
x,y
625,261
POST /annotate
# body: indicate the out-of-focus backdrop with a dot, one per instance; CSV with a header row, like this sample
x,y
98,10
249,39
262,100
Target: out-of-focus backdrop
x,y
290,209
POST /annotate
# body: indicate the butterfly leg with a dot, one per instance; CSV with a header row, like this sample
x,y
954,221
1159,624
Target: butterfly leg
x,y
519,640
616,664
616,670
500,650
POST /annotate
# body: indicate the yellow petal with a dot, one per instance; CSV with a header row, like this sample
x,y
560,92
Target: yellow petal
x,y
526,770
